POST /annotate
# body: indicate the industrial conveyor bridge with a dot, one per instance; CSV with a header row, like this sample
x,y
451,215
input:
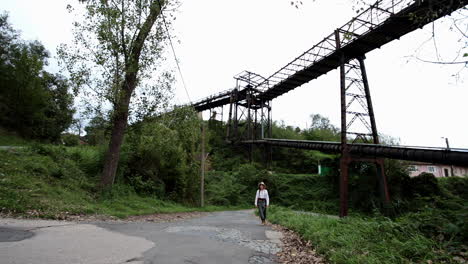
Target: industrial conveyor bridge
x,y
249,120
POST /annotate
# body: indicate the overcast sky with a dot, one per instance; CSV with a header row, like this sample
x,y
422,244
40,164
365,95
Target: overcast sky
x,y
415,101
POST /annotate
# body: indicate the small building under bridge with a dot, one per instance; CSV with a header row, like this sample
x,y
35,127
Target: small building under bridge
x,y
416,168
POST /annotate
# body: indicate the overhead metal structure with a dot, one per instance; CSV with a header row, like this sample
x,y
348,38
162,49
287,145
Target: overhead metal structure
x,y
386,20
381,23
458,157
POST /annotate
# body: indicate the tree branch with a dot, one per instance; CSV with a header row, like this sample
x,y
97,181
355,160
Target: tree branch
x,y
443,62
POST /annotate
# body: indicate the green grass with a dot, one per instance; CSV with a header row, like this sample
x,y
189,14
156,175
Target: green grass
x,y
362,240
11,139
50,182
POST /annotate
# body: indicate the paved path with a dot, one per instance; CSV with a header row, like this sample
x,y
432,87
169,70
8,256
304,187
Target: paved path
x,y
222,237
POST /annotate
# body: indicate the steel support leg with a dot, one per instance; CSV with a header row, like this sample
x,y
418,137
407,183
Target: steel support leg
x,y
344,177
229,122
345,157
385,197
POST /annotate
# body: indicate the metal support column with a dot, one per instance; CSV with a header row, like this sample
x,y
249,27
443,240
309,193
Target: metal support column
x,y
345,157
249,123
354,86
269,150
230,121
385,197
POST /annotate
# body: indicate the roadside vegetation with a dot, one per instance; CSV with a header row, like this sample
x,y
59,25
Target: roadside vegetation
x,y
428,228
368,239
56,182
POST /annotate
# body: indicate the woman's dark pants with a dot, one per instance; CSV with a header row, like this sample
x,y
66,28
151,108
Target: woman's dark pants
x,y
262,209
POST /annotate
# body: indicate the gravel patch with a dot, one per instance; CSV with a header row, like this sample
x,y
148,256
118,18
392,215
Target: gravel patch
x,y
229,235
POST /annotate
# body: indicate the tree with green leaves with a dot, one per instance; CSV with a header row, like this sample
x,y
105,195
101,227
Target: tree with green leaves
x,y
117,50
33,102
162,155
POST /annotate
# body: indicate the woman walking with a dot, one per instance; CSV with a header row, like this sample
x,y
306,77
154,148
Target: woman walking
x,y
262,201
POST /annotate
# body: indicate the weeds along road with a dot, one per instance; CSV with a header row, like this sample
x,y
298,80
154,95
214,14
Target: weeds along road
x,y
221,237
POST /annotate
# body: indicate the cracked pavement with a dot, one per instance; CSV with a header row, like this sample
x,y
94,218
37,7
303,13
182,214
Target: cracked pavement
x,y
221,237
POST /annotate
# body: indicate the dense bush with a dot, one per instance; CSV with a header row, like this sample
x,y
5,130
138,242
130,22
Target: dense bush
x,y
70,140
424,185
161,157
237,187
223,189
456,185
304,192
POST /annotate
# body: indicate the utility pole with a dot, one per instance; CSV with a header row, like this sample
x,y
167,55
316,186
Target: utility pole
x,y
448,148
202,178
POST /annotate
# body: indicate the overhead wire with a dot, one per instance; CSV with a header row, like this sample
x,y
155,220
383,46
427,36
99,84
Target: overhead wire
x,y
173,52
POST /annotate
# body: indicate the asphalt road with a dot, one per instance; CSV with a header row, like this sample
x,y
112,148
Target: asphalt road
x,y
221,237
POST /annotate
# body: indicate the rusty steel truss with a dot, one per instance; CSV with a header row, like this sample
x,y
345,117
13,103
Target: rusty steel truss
x,y
249,102
249,116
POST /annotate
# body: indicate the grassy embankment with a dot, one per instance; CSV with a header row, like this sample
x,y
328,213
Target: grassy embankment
x,y
431,230
11,139
53,181
358,239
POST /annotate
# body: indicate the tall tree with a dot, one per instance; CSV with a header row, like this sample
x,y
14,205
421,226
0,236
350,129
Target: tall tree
x,y
117,47
33,102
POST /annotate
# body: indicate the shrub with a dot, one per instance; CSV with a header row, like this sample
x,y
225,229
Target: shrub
x,y
224,189
425,185
455,185
70,140
160,157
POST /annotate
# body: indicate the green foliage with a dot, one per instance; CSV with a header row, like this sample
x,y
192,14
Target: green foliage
x,y
111,42
41,178
456,185
159,156
446,224
97,130
55,181
88,158
298,191
223,189
237,187
8,138
33,102
290,160
425,185
362,240
321,129
70,140
304,192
